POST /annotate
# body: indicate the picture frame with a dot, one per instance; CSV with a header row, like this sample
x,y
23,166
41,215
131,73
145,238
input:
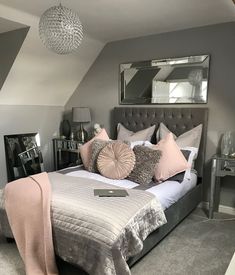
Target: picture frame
x,y
23,155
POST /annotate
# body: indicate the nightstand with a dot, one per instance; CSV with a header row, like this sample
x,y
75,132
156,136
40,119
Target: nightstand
x,y
221,166
66,153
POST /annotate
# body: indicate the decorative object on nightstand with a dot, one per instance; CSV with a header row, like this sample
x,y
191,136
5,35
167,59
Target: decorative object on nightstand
x,y
65,128
228,143
66,153
97,128
81,115
221,166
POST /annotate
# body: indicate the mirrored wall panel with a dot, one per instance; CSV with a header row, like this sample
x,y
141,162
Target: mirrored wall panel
x,y
23,155
166,81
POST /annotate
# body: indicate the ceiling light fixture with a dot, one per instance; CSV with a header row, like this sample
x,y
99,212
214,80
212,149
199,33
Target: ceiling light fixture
x,y
60,29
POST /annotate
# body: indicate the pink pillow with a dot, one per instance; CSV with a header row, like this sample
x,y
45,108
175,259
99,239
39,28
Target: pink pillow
x,y
172,160
85,149
116,160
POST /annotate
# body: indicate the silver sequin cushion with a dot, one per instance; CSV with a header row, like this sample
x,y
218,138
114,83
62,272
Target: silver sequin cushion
x,y
96,146
146,159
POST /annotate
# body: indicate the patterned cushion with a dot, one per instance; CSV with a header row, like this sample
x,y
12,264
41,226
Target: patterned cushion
x,y
96,146
116,160
85,149
146,160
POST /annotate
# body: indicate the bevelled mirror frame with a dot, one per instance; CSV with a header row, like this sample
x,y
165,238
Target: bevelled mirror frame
x,y
182,80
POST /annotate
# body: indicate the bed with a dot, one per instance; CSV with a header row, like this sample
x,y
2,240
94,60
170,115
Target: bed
x,y
177,120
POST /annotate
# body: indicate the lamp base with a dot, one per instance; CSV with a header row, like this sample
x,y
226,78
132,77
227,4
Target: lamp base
x,y
82,134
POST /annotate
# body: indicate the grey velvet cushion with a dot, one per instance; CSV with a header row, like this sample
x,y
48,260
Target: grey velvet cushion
x,y
125,134
146,160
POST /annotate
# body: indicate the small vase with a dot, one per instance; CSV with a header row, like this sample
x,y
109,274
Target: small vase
x,y
65,128
227,143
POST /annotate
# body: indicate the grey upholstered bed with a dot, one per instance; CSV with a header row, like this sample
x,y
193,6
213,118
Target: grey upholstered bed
x,y
178,120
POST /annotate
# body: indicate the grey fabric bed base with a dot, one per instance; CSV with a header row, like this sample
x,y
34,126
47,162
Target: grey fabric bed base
x,y
174,215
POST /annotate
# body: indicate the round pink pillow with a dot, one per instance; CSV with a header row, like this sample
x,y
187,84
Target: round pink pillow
x,y
116,160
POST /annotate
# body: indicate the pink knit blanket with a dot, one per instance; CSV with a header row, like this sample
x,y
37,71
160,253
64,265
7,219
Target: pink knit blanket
x,y
27,203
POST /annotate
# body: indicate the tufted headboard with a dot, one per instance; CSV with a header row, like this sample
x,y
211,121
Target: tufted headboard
x,y
178,120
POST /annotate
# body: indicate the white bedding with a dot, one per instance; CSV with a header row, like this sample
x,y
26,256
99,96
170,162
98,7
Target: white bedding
x,y
167,192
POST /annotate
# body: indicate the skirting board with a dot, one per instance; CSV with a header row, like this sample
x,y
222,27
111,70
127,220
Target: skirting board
x,y
222,208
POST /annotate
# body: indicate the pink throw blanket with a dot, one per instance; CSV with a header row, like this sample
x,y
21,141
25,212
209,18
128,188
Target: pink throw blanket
x,y
27,203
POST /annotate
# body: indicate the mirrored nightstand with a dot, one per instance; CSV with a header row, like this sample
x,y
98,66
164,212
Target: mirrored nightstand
x,y
66,153
221,166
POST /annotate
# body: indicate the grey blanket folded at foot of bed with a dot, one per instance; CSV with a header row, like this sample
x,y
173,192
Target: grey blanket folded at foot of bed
x,y
100,233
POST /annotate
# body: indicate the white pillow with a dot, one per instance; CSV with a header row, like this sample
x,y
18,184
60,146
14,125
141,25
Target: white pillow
x,y
140,142
191,158
127,135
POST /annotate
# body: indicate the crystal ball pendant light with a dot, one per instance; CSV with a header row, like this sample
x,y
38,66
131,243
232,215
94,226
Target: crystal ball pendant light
x,y
60,29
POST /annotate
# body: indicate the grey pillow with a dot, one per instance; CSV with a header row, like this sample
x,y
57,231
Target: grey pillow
x,y
125,134
146,159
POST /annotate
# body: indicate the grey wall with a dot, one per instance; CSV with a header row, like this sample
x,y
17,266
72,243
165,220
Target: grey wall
x,y
28,119
10,44
99,88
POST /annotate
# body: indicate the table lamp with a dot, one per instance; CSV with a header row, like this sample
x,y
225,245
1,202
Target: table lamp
x,y
81,115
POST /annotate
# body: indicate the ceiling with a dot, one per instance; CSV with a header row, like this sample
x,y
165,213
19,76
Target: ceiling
x,y
7,25
109,20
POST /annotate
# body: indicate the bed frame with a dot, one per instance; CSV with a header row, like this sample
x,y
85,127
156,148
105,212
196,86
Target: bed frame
x,y
178,120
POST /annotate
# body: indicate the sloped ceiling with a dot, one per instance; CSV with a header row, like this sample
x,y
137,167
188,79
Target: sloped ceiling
x,y
7,25
10,44
39,76
110,20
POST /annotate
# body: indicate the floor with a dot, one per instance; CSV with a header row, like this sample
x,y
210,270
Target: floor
x,y
197,246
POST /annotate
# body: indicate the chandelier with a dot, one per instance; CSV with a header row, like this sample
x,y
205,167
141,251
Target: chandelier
x,y
60,29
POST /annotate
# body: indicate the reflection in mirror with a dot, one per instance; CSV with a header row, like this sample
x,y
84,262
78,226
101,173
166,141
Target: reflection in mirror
x,y
23,155
175,80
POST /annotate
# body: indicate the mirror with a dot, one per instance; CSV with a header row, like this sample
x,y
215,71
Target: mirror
x,y
23,155
167,81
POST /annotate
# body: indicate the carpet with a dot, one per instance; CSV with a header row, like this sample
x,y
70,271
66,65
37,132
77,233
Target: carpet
x,y
197,246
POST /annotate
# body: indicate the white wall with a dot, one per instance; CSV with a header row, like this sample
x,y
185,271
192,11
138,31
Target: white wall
x,y
39,76
43,78
29,119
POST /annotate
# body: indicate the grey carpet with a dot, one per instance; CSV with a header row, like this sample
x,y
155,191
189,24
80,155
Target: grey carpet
x,y
197,246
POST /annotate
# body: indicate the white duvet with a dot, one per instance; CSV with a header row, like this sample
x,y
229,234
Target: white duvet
x,y
167,192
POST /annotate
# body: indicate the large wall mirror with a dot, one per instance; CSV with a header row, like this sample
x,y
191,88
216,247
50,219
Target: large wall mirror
x,y
168,81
